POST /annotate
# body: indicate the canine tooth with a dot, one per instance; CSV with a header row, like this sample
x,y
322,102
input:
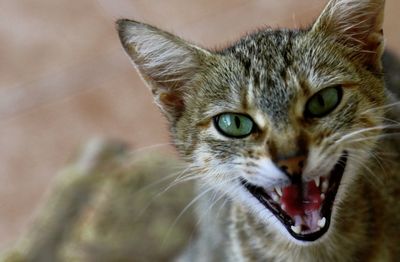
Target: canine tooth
x,y
298,220
283,207
296,229
322,196
317,181
274,196
278,190
322,222
325,185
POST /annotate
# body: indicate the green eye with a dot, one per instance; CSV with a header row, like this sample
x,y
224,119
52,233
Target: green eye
x,y
323,102
234,125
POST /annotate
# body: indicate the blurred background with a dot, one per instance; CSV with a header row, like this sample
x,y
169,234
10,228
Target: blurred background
x,y
64,79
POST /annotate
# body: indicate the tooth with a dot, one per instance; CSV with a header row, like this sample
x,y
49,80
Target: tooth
x,y
298,220
296,229
322,196
264,198
317,181
274,196
325,185
322,222
283,207
278,190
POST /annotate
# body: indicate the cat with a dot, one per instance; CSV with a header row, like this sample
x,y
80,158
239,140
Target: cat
x,y
291,135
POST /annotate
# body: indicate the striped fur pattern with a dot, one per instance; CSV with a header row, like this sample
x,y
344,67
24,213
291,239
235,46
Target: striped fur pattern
x,y
269,75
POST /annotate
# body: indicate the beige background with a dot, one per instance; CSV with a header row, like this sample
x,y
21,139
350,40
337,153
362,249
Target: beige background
x,y
64,79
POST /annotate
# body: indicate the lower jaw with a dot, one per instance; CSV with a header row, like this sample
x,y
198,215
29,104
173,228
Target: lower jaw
x,y
325,211
311,237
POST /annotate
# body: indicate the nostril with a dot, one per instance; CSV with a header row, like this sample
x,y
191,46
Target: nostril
x,y
292,166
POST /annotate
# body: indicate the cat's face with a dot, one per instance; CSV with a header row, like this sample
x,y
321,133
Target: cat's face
x,y
274,126
280,122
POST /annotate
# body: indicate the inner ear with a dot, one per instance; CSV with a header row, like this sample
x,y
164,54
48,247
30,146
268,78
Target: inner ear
x,y
172,102
357,24
166,62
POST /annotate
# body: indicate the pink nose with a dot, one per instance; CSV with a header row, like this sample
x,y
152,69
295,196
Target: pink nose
x,y
293,165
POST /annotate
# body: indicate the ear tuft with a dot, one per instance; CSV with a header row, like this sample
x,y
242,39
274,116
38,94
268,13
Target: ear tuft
x,y
357,24
166,62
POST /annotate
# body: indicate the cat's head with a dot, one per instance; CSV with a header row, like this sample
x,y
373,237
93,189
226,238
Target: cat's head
x,y
281,120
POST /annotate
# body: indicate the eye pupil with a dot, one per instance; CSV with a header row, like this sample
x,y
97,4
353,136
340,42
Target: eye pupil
x,y
321,100
237,122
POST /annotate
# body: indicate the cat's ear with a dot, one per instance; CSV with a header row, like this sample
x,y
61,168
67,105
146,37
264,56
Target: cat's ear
x,y
165,62
358,24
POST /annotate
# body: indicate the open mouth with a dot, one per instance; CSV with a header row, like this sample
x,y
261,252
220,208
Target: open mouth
x,y
304,208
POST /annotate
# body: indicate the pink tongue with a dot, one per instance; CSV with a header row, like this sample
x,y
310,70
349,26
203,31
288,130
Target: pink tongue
x,y
297,202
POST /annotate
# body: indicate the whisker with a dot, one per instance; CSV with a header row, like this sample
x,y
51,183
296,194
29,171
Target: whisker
x,y
373,137
360,131
191,203
363,165
199,196
381,107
